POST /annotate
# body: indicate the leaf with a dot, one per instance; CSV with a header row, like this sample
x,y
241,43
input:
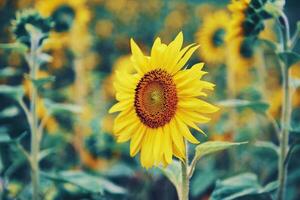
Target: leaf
x,y
289,57
39,83
62,107
173,173
17,47
46,152
202,180
268,43
92,184
268,145
257,106
5,138
11,111
8,71
213,147
242,186
44,58
15,92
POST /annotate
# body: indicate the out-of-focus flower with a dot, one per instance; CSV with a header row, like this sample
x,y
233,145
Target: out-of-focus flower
x,y
204,9
222,137
14,189
70,16
104,28
159,102
268,33
211,36
30,17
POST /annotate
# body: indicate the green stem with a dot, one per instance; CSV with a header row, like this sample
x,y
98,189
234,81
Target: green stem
x,y
285,115
185,177
35,146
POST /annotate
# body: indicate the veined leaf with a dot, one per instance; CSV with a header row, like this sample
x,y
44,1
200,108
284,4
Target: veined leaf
x,y
86,181
212,147
18,47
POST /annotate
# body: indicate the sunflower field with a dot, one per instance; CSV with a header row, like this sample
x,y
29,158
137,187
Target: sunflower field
x,y
149,100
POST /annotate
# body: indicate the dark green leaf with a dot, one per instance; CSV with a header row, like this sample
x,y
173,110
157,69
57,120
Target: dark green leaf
x,y
93,184
289,58
202,180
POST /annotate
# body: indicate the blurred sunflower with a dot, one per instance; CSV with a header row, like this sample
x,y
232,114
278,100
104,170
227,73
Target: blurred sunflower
x,y
211,36
68,15
159,102
238,16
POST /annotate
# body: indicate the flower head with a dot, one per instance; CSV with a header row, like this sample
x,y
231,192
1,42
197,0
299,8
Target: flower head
x,y
159,102
211,36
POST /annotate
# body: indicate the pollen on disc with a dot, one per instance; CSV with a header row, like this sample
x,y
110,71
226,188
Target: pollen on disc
x,y
156,98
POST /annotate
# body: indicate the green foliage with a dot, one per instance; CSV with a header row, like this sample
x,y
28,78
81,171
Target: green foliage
x,y
289,57
85,181
256,106
14,92
243,186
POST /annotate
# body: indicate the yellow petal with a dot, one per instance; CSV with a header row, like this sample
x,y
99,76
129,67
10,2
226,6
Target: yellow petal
x,y
122,105
177,138
138,57
135,143
167,141
184,130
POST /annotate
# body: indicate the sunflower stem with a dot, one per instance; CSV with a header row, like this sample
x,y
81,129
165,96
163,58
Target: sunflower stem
x,y
286,112
35,143
185,177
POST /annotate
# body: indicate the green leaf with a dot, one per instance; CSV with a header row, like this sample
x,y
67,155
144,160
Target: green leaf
x,y
17,47
5,138
90,183
213,147
268,145
202,180
256,106
289,57
39,83
243,186
15,92
268,43
46,152
173,173
62,107
8,72
11,111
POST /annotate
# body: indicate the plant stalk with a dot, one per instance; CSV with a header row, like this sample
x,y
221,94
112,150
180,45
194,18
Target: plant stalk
x,y
35,144
185,177
285,115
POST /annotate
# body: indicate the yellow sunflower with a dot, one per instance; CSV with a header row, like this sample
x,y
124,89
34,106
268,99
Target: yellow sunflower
x,y
69,16
238,16
211,37
159,102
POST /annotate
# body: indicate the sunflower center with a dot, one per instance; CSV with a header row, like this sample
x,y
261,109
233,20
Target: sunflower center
x,y
156,98
63,17
246,48
218,37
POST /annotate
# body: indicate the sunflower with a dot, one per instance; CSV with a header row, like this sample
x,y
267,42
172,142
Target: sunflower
x,y
68,15
159,102
211,37
238,10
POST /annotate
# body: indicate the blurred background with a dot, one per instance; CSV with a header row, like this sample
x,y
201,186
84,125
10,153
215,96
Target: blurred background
x,y
90,42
